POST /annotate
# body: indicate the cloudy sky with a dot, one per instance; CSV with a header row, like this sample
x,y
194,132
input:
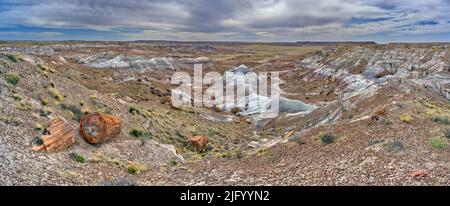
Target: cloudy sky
x,y
226,20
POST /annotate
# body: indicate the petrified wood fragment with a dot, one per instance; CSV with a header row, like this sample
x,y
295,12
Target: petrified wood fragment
x,y
59,136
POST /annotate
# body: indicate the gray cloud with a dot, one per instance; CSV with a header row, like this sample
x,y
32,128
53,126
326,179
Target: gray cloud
x,y
233,19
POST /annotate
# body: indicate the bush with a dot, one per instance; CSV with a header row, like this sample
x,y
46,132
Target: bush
x,y
174,163
12,58
17,97
136,132
135,168
440,119
12,78
76,112
78,157
55,94
25,106
328,138
406,118
44,101
133,110
438,142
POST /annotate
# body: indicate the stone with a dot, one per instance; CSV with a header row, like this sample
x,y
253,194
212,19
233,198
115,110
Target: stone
x,y
235,110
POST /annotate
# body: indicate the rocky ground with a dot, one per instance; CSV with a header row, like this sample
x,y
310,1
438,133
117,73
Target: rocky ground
x,y
377,115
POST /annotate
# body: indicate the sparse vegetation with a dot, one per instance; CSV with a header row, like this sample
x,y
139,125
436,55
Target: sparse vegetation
x,y
12,58
76,112
328,138
42,67
174,163
45,112
55,94
136,132
44,101
438,142
406,118
136,168
440,119
12,78
17,97
25,106
78,157
133,110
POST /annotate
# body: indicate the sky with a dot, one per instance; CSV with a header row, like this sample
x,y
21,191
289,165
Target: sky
x,y
227,20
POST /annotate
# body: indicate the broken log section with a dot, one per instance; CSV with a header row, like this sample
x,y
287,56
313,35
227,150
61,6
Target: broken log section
x,y
97,127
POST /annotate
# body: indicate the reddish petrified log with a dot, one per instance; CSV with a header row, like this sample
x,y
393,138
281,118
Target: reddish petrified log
x,y
59,136
98,128
199,143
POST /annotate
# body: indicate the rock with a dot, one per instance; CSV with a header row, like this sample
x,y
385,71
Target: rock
x,y
253,144
289,134
98,128
419,174
59,136
166,100
199,142
217,109
235,110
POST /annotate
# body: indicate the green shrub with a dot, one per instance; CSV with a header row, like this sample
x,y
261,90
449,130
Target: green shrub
x,y
17,97
44,101
12,78
12,58
328,138
136,132
438,142
78,157
133,110
174,163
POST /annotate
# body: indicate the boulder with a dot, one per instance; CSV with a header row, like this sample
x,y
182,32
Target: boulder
x,y
60,135
235,110
199,143
98,128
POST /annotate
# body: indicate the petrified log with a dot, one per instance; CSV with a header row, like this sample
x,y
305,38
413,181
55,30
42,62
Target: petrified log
x,y
97,127
199,143
59,136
